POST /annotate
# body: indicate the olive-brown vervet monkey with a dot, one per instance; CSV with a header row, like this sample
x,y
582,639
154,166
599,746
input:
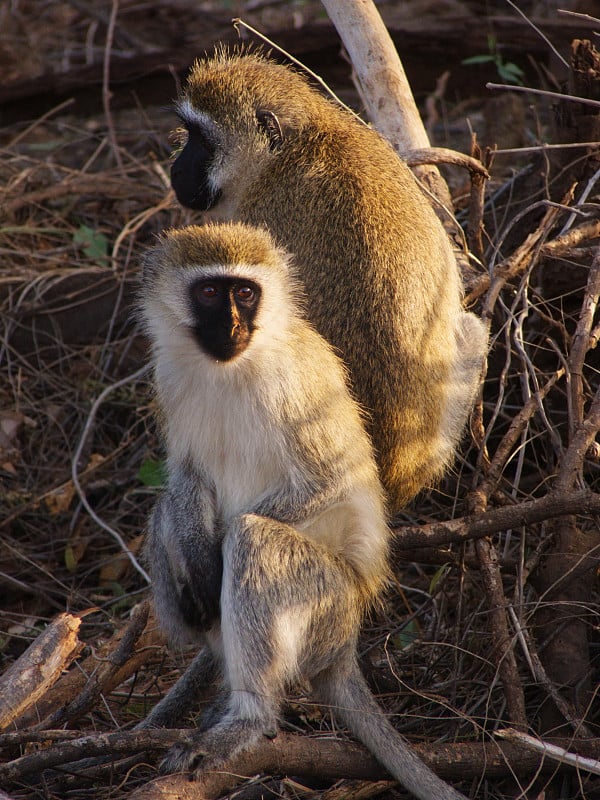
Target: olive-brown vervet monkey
x,y
264,148
270,541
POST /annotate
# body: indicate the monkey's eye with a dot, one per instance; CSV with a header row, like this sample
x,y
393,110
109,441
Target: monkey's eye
x,y
205,292
245,294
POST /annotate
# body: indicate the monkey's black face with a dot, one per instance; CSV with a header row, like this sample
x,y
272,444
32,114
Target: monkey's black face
x,y
189,172
224,311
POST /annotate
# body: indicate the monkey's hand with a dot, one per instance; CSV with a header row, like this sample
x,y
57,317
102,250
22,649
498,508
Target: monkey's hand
x,y
200,589
211,749
183,551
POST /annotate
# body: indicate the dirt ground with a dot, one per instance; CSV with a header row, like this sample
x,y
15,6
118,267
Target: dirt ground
x,y
492,621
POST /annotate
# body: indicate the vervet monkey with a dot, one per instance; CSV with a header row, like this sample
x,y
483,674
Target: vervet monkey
x,y
264,148
270,541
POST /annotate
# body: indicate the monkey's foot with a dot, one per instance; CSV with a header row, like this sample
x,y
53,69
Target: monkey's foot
x,y
207,750
183,757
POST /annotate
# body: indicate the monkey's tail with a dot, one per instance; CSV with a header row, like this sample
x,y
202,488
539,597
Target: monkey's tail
x,y
354,704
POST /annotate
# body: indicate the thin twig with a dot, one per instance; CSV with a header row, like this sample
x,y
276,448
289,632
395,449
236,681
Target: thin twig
x,y
540,33
551,750
75,466
553,95
106,93
510,438
541,676
236,24
581,342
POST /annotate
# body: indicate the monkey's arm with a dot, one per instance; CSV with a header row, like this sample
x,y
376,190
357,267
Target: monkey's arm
x,y
304,493
183,552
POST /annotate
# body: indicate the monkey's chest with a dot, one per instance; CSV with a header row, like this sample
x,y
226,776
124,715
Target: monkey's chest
x,y
232,444
241,476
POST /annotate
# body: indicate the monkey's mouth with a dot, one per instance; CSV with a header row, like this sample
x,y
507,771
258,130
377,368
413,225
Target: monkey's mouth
x,y
222,346
198,198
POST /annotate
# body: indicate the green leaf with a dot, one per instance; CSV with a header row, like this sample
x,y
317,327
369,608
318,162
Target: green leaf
x,y
70,560
44,147
437,577
94,243
153,473
510,72
406,636
483,59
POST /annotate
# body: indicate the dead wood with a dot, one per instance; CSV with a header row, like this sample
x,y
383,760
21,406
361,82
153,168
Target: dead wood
x,y
478,182
503,652
111,744
40,666
103,678
562,578
331,760
324,759
381,79
527,512
580,121
443,155
564,586
106,668
382,84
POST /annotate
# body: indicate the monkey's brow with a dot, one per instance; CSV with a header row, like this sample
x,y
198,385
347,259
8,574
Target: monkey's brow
x,y
192,116
182,117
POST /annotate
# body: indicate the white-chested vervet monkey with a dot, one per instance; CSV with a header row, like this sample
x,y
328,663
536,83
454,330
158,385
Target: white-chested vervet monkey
x,y
270,540
264,148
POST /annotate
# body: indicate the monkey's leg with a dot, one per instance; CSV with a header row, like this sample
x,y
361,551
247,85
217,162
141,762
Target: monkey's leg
x,y
345,689
463,384
288,607
181,697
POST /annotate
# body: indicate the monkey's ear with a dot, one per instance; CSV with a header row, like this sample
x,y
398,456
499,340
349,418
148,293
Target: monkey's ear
x,y
269,123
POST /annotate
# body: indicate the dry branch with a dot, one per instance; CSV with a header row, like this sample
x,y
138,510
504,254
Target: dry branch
x,y
105,674
40,666
552,751
111,744
443,155
567,242
383,84
528,512
540,674
503,645
581,344
328,760
518,261
100,672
